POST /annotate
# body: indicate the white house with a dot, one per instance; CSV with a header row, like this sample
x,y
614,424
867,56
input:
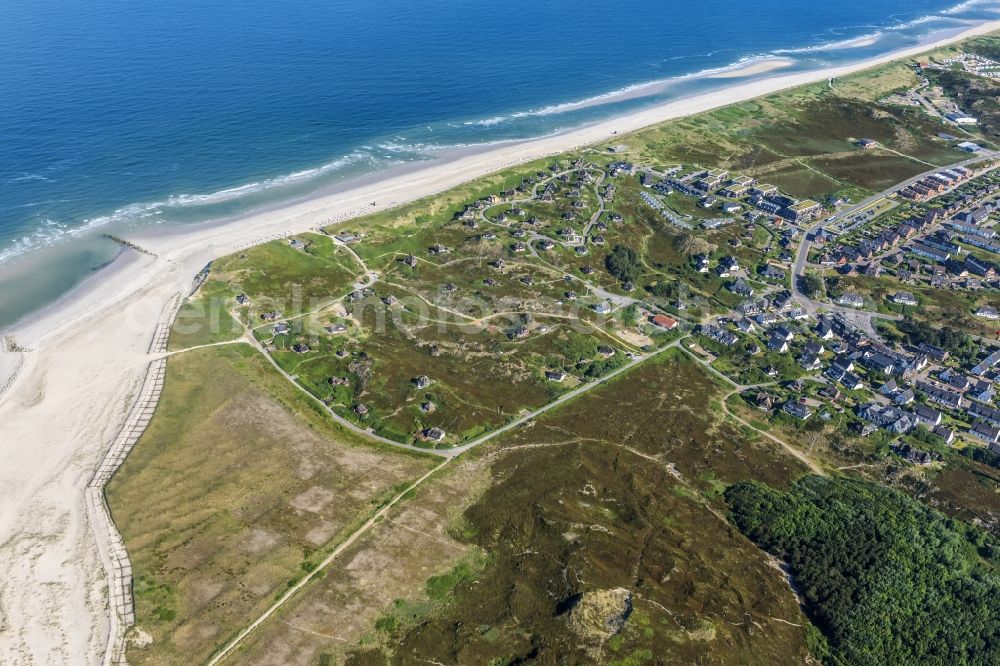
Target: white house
x,y
988,312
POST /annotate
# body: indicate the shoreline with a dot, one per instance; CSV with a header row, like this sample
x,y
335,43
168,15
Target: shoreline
x,y
638,96
351,198
751,69
478,160
91,352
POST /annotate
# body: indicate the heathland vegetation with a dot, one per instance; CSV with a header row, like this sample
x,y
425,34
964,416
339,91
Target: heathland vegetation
x,y
622,475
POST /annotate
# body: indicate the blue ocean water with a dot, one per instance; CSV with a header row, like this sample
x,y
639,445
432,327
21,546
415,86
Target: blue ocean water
x,y
116,113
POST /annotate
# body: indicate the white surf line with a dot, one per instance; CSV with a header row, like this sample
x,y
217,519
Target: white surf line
x,y
110,545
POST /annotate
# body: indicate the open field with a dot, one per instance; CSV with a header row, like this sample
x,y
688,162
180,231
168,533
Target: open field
x,y
477,381
802,141
484,541
454,284
449,314
581,506
380,581
236,488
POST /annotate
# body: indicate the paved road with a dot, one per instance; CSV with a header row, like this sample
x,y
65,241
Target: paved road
x,y
798,270
850,210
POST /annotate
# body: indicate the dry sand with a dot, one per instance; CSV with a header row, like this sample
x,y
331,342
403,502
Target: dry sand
x,y
756,68
90,354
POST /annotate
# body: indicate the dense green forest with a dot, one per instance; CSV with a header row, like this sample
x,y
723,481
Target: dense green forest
x,y
886,579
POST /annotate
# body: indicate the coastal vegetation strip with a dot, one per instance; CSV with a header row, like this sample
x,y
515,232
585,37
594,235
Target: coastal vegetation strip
x,y
450,339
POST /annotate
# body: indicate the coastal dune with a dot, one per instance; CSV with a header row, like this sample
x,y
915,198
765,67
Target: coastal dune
x,y
89,355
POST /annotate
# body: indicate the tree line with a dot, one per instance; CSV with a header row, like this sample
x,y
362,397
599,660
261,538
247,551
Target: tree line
x,y
886,579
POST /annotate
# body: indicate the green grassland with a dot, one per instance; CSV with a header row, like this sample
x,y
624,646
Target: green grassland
x,y
801,141
206,318
279,277
275,276
409,325
479,380
236,489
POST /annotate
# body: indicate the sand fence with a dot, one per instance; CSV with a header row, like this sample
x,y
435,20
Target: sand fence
x,y
110,544
17,365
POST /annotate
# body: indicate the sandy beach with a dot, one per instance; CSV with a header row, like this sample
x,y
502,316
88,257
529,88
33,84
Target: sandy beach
x,y
89,354
755,68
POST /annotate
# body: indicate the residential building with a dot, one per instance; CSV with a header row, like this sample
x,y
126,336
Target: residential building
x,y
783,332
987,363
741,288
803,210
664,322
960,118
982,390
987,433
892,419
929,416
985,412
809,362
433,434
988,312
947,434
777,343
851,300
939,395
797,409
904,298
914,455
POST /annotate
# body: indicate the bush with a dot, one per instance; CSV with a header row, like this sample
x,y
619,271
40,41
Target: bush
x,y
947,338
980,455
623,263
810,284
